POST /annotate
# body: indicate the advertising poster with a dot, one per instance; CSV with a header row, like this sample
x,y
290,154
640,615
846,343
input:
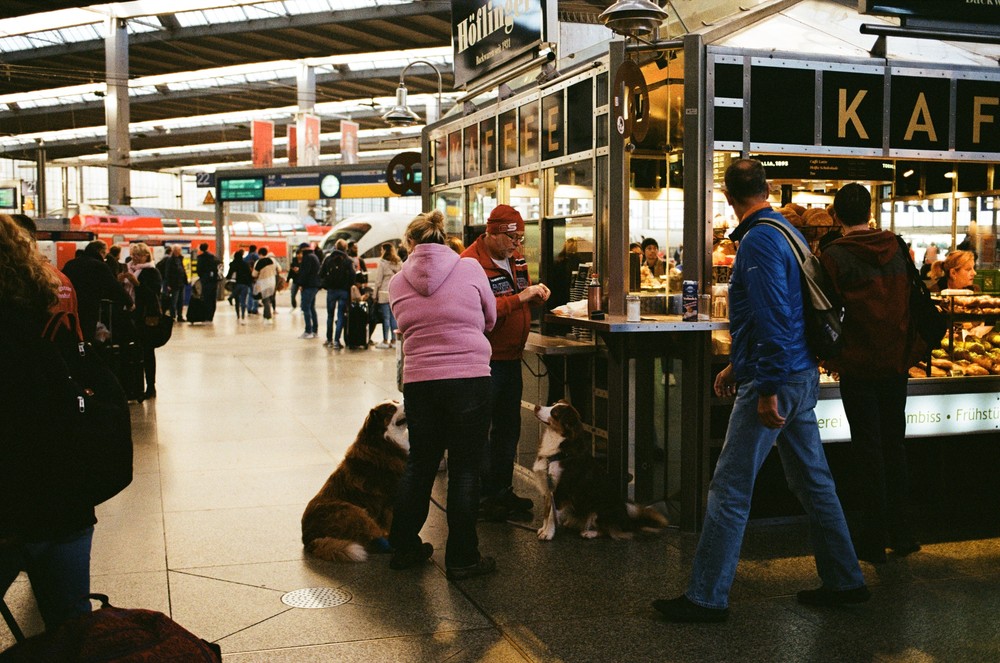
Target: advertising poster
x,y
349,141
307,135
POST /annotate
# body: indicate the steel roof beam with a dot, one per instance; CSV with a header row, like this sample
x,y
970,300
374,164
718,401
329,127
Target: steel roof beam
x,y
393,13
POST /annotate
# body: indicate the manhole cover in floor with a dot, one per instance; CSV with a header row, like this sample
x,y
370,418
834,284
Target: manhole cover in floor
x,y
316,597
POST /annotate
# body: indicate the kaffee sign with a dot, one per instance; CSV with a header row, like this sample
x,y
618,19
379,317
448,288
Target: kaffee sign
x,y
865,110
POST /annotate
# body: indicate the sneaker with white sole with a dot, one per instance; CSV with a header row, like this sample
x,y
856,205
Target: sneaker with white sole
x,y
305,335
382,346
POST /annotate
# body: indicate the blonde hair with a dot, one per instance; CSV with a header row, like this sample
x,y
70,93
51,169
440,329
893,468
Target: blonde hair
x,y
936,270
427,228
26,281
389,253
140,249
955,260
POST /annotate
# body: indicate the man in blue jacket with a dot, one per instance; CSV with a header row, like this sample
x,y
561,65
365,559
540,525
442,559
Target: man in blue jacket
x,y
775,381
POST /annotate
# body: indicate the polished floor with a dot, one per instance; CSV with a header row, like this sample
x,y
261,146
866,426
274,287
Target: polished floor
x,y
249,422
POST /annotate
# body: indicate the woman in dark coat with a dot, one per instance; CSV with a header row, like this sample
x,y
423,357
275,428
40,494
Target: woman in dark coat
x,y
143,282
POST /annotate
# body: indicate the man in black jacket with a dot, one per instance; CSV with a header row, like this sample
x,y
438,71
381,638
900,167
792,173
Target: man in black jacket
x,y
308,280
93,281
175,280
207,269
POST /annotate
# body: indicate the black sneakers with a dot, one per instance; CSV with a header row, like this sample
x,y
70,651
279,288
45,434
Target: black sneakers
x,y
484,566
825,597
404,559
681,609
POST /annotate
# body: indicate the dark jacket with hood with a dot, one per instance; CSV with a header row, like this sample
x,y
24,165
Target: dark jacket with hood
x,y
308,274
93,281
868,270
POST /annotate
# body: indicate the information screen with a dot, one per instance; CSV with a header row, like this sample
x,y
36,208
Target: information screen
x,y
251,188
8,197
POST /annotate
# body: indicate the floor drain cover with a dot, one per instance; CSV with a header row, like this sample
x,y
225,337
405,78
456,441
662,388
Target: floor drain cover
x,y
316,597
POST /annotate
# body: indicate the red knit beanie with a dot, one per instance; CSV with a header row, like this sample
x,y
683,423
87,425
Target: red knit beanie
x,y
504,219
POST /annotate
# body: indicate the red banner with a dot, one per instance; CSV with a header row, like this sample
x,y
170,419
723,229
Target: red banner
x,y
293,156
262,141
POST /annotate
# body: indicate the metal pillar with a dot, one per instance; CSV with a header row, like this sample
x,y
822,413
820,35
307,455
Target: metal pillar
x,y
41,211
116,112
696,356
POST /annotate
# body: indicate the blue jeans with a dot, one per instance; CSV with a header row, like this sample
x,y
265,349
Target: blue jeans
x,y
388,323
308,296
59,571
177,302
747,444
876,411
294,289
241,293
336,300
505,426
450,415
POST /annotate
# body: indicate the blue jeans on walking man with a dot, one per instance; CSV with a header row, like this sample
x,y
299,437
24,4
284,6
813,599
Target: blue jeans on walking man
x,y
747,444
308,297
336,301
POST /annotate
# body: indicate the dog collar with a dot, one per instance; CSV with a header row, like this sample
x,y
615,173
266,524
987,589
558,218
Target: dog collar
x,y
555,457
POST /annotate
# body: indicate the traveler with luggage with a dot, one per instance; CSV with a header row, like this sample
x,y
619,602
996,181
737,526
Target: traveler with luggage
x,y
46,527
337,277
142,282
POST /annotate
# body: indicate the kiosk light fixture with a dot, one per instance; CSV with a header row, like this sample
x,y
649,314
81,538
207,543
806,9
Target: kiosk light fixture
x,y
401,115
633,18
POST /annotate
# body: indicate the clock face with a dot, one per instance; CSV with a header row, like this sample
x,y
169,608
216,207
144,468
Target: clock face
x,y
329,186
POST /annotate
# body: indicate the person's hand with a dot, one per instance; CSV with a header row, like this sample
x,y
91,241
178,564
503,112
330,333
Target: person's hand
x,y
767,411
534,294
725,383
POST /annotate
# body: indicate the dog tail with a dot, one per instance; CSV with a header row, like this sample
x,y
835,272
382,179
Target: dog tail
x,y
337,550
646,518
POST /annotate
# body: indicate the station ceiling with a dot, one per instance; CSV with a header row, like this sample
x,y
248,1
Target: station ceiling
x,y
166,46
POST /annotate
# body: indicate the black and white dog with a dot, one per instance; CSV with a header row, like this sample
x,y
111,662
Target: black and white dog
x,y
578,492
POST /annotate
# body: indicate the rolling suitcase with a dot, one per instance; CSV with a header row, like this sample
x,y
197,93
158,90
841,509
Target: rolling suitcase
x,y
197,310
357,326
122,353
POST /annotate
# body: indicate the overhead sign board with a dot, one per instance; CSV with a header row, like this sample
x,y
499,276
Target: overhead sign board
x,y
962,11
788,167
486,34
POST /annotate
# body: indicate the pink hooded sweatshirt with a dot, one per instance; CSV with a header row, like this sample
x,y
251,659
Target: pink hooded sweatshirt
x,y
444,306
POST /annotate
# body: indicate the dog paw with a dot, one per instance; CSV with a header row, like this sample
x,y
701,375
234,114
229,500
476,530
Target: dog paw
x,y
590,534
546,534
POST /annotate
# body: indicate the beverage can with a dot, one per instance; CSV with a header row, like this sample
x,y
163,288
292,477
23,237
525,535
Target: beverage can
x,y
689,300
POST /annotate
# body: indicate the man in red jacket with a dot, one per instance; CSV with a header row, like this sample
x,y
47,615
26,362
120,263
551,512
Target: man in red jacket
x,y
507,271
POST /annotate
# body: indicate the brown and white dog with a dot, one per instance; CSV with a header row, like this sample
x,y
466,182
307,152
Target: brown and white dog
x,y
351,514
578,492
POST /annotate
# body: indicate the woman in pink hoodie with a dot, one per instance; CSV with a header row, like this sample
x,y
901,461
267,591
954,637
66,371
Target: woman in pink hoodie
x,y
443,306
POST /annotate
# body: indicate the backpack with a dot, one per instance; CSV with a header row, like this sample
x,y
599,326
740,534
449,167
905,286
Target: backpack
x,y
926,322
823,312
115,634
91,408
337,272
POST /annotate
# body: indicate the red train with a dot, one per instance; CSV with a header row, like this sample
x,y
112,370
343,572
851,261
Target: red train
x,y
160,228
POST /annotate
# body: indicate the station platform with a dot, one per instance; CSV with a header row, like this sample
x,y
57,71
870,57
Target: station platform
x,y
250,420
